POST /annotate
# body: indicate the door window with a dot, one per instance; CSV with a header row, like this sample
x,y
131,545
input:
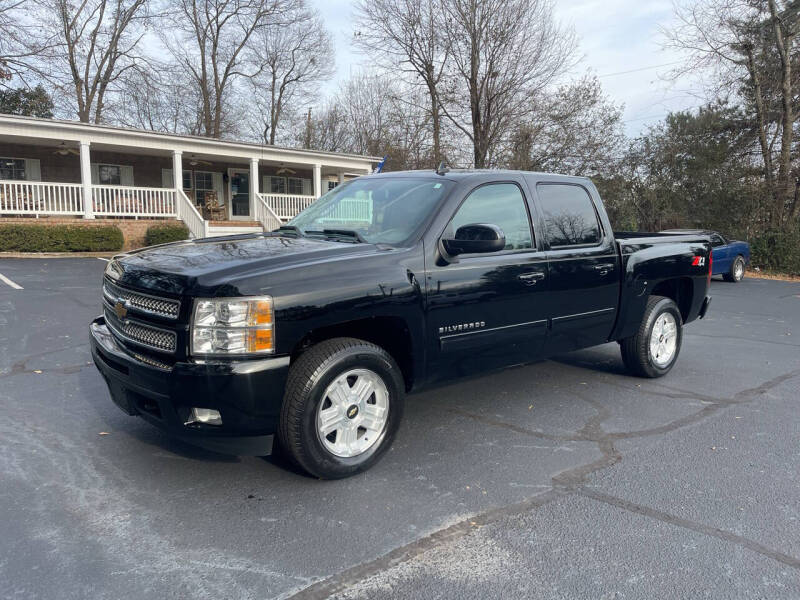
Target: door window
x,y
569,215
498,204
716,241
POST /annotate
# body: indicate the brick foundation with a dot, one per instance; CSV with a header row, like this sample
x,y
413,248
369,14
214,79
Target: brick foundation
x,y
133,230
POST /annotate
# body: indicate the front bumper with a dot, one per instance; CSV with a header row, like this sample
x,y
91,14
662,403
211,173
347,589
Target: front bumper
x,y
247,393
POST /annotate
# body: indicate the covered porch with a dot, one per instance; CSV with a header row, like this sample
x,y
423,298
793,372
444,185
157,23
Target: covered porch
x,y
88,171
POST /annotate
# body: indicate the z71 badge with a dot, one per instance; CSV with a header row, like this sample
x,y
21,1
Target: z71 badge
x,y
461,327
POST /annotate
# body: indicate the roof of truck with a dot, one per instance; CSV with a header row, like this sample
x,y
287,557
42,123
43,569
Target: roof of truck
x,y
458,174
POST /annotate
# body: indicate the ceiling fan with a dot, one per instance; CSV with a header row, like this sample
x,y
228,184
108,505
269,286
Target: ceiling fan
x,y
64,150
194,161
285,170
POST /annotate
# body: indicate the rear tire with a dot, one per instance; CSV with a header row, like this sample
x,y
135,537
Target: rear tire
x,y
342,407
648,356
736,273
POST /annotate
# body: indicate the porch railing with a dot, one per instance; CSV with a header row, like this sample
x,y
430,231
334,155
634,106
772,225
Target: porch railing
x,y
38,198
268,218
126,201
188,213
286,206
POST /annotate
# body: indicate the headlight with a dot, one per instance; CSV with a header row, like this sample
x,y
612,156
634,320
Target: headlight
x,y
223,326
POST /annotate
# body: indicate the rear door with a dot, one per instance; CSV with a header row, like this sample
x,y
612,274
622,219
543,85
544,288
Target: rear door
x,y
488,310
584,268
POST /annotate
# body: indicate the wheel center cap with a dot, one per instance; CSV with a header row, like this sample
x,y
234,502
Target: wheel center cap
x,y
352,411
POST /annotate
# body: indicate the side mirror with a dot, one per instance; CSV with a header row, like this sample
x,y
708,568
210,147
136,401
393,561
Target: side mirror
x,y
475,238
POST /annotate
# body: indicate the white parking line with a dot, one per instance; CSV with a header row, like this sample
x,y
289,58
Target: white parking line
x,y
103,259
5,279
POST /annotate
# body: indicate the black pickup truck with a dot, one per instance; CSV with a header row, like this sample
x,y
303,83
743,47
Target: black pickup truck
x,y
387,284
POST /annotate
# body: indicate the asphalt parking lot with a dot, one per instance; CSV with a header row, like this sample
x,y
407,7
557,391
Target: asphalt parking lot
x,y
563,479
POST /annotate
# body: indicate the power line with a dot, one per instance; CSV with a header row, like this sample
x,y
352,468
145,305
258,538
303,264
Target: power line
x,y
641,69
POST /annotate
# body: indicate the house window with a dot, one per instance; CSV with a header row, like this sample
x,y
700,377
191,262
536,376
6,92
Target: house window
x,y
277,185
332,184
12,169
203,182
187,179
109,174
295,185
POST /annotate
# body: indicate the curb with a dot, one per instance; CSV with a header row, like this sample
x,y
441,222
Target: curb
x,y
58,254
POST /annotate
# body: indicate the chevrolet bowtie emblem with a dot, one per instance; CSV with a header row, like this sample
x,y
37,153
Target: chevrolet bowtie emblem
x,y
120,310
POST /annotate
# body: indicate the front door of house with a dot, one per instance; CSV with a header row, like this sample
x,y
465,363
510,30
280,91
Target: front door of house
x,y
239,192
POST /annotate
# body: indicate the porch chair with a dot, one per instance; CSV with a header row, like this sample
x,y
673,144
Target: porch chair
x,y
214,212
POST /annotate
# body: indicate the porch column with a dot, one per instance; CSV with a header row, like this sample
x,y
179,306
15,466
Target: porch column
x,y
86,181
177,169
341,177
253,186
318,180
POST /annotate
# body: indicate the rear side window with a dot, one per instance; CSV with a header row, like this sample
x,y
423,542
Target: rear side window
x,y
569,215
498,204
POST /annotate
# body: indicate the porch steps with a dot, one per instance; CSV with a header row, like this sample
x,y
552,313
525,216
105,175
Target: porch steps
x,y
223,228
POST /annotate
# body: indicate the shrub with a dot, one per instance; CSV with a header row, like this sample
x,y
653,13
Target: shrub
x,y
777,251
161,234
59,238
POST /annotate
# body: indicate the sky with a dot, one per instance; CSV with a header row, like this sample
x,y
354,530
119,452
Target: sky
x,y
619,41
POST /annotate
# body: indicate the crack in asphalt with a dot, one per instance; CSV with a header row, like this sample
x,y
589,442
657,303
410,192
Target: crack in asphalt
x,y
671,519
567,482
20,366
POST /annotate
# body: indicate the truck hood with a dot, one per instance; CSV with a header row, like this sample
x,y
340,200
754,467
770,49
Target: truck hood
x,y
178,267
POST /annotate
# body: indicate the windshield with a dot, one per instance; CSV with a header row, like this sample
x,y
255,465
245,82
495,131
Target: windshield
x,y
378,209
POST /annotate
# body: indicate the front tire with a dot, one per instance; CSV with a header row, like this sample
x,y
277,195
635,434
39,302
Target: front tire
x,y
653,350
342,408
736,273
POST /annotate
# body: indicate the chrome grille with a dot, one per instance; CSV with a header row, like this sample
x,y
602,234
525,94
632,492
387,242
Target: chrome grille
x,y
139,333
162,307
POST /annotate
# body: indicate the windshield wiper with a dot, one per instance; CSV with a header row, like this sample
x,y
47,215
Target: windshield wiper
x,y
293,228
350,234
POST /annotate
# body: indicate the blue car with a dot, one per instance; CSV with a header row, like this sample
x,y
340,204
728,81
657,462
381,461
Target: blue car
x,y
729,257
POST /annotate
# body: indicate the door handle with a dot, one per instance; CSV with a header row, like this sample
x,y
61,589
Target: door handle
x,y
604,268
531,278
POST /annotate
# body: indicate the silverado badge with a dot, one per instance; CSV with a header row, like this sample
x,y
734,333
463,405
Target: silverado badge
x,y
120,309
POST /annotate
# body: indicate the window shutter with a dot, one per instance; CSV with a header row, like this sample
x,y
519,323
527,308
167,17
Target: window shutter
x,y
308,187
95,174
166,178
126,175
33,171
219,187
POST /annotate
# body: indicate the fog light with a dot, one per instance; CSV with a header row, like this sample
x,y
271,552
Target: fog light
x,y
206,416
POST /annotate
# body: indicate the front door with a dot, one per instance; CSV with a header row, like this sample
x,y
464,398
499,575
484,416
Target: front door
x,y
239,193
487,311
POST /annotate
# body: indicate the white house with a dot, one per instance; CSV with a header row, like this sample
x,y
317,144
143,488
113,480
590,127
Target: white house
x,y
66,168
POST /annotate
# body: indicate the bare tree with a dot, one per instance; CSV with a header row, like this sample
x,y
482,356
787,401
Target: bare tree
x,y
13,52
504,52
293,58
749,46
373,113
210,39
574,129
91,44
408,33
158,99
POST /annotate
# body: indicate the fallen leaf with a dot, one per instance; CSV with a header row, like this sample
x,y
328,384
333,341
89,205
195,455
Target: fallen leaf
x,y
103,433
530,407
37,370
